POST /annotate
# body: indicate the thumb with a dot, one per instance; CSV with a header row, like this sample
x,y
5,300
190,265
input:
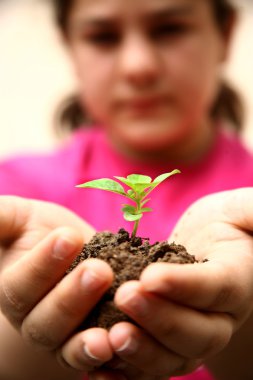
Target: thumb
x,y
14,213
228,208
20,215
238,207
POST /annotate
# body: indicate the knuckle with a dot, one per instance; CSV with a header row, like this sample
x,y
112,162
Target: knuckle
x,y
222,298
231,292
38,273
12,305
37,338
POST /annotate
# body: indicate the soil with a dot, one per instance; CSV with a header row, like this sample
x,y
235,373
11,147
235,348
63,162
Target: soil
x,y
127,257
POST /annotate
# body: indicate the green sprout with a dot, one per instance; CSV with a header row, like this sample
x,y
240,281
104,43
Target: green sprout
x,y
140,186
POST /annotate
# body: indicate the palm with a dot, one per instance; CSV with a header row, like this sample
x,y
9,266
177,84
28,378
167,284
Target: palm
x,y
217,225
24,223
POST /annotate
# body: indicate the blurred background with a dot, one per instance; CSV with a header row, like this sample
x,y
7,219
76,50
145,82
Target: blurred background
x,y
35,74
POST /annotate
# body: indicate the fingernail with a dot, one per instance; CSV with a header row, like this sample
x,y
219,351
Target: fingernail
x,y
134,304
129,347
90,280
63,248
90,358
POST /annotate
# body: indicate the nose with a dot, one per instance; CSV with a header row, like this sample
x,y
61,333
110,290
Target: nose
x,y
139,61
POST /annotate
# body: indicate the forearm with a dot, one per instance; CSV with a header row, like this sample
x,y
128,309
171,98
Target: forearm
x,y
235,362
18,361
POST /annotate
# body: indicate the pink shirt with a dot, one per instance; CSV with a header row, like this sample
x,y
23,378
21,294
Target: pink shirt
x,y
88,155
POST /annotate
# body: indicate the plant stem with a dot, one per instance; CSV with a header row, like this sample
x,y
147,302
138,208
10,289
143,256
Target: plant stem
x,y
136,224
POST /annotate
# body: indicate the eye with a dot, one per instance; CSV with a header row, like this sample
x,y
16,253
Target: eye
x,y
103,39
169,30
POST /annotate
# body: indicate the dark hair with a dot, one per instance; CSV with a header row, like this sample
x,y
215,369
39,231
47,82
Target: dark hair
x,y
228,103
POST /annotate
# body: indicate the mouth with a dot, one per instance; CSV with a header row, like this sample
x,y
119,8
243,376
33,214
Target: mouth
x,y
143,105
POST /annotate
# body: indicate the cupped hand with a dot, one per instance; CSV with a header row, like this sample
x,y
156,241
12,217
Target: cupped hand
x,y
188,313
38,242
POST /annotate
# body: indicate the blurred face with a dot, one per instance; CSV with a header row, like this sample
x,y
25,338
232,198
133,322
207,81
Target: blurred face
x,y
148,69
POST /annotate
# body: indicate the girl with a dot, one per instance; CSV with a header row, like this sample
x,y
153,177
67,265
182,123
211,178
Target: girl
x,y
150,81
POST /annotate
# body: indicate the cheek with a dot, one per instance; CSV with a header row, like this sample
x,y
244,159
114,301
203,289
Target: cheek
x,y
194,74
94,80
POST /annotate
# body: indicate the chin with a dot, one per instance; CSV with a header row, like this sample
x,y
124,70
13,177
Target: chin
x,y
151,140
145,144
148,135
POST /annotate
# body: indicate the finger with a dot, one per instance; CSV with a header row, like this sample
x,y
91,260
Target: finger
x,y
183,330
20,215
139,349
234,207
87,350
14,212
213,286
63,309
24,283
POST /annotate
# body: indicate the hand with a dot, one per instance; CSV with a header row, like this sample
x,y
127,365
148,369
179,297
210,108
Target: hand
x,y
188,313
45,306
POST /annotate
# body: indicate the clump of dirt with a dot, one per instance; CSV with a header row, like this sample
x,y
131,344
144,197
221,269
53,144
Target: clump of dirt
x,y
127,258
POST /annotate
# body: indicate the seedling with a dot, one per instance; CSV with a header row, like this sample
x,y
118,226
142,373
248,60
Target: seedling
x,y
139,187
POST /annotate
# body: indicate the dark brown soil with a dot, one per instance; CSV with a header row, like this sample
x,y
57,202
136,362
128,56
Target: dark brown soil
x,y
127,257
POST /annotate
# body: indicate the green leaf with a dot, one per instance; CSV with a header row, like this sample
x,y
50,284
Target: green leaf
x,y
131,217
146,209
131,193
133,181
128,208
124,180
145,201
164,176
140,187
139,178
105,184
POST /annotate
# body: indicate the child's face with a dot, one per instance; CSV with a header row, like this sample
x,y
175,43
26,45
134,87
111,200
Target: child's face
x,y
148,69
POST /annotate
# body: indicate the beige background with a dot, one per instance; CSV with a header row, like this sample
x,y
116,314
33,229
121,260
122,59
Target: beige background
x,y
35,73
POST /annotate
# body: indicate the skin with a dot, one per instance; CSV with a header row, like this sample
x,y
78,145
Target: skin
x,y
158,64
156,106
35,250
214,298
206,303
